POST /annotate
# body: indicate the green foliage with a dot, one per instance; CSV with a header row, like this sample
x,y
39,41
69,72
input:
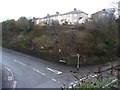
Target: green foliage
x,y
9,25
70,60
95,42
23,24
44,41
42,24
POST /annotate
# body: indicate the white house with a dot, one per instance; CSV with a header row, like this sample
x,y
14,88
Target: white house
x,y
73,17
36,20
119,8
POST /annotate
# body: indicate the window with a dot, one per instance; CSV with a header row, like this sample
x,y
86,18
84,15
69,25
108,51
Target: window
x,y
75,20
68,20
75,15
68,15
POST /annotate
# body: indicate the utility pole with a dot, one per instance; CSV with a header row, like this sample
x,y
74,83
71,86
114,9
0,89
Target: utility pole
x,y
78,62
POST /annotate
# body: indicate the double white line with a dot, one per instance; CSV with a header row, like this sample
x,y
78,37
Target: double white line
x,y
14,82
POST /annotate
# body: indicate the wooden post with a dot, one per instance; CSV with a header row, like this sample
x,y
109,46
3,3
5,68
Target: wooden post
x,y
72,87
99,72
64,86
111,70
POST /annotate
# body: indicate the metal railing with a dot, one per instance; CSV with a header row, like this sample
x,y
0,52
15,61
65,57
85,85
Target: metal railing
x,y
108,78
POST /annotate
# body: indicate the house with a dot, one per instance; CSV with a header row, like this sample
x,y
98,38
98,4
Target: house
x,y
36,20
73,17
105,13
52,19
119,8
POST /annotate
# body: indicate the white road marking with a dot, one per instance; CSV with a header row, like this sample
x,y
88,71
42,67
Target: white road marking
x,y
20,63
10,72
14,84
54,79
43,74
10,78
55,71
38,71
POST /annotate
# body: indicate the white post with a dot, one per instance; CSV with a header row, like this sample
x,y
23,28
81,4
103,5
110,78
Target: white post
x,y
78,62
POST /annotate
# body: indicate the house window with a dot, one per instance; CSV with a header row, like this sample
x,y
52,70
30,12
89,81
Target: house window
x,y
75,20
68,20
75,15
68,15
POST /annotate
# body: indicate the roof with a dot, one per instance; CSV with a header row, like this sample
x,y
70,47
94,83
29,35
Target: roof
x,y
71,12
51,16
74,12
104,11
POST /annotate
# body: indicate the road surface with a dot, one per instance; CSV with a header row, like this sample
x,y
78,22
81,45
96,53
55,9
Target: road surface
x,y
32,72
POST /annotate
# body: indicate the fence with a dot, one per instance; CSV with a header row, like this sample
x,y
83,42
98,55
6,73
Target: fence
x,y
108,78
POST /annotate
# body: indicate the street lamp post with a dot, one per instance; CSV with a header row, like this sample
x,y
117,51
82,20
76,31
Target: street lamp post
x,y
78,62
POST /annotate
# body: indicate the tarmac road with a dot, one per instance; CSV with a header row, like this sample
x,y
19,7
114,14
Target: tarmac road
x,y
32,72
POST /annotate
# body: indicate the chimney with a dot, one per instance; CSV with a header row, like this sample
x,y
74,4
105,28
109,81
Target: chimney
x,y
48,15
104,10
57,13
75,9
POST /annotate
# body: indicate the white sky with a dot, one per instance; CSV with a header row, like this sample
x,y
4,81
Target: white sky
x,y
13,9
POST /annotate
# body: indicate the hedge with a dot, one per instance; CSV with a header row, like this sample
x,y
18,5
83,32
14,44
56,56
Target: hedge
x,y
52,57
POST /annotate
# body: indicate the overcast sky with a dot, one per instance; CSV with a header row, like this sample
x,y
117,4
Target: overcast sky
x,y
13,9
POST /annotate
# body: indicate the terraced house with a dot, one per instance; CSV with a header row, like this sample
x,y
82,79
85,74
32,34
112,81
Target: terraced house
x,y
105,13
119,8
74,17
71,18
